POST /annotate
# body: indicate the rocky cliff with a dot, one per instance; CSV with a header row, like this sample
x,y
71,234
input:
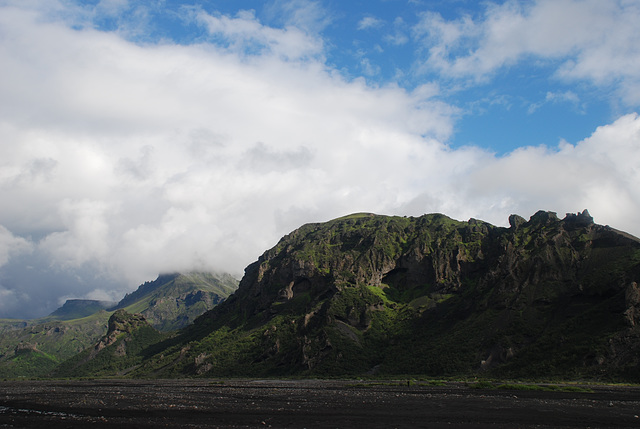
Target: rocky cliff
x,y
547,297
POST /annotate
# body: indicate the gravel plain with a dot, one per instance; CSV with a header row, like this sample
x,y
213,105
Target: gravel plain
x,y
306,404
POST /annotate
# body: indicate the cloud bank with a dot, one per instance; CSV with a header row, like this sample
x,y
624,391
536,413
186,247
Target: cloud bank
x,y
120,160
590,40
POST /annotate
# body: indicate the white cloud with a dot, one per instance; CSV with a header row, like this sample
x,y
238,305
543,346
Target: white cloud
x,y
246,35
600,173
112,7
399,35
589,40
10,298
369,69
159,153
134,159
369,22
12,245
568,97
309,16
86,235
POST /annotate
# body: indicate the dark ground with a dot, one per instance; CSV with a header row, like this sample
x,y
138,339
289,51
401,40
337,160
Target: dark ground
x,y
305,404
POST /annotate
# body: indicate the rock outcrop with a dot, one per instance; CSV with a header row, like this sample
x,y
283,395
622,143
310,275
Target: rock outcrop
x,y
119,351
120,323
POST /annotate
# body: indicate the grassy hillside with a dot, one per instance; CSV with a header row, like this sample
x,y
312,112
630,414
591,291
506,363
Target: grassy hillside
x,y
120,350
173,301
32,348
366,294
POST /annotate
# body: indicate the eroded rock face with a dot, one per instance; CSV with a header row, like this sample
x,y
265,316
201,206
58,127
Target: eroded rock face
x,y
632,301
120,323
579,220
515,221
432,295
321,260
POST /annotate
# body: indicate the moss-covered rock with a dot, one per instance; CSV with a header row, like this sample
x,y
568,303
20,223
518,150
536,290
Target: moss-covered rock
x,y
430,295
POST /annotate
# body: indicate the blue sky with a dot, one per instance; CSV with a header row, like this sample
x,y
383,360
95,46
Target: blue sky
x,y
380,41
139,137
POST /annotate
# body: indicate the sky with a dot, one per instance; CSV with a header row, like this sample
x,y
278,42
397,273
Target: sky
x,y
144,137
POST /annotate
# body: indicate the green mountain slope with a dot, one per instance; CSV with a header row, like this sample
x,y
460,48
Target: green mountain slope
x,y
32,348
173,301
117,352
368,294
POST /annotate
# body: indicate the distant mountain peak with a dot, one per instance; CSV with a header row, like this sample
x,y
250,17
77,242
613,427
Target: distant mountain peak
x,y
579,219
174,300
170,302
78,308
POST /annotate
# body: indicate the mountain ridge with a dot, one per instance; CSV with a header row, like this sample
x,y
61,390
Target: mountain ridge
x,y
34,347
79,308
117,352
428,295
174,300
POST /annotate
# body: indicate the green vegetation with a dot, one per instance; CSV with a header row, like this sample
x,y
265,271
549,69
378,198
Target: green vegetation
x,y
407,299
429,296
47,344
173,301
78,309
29,364
121,350
170,302
530,387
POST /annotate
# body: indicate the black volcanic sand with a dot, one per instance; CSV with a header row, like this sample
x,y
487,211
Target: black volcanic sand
x,y
305,404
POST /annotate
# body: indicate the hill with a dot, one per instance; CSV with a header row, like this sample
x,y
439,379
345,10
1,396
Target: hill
x,y
173,301
121,349
369,294
32,348
35,349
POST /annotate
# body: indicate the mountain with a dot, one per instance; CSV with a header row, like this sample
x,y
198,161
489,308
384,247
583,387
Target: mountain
x,y
368,294
173,301
117,352
79,308
32,348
